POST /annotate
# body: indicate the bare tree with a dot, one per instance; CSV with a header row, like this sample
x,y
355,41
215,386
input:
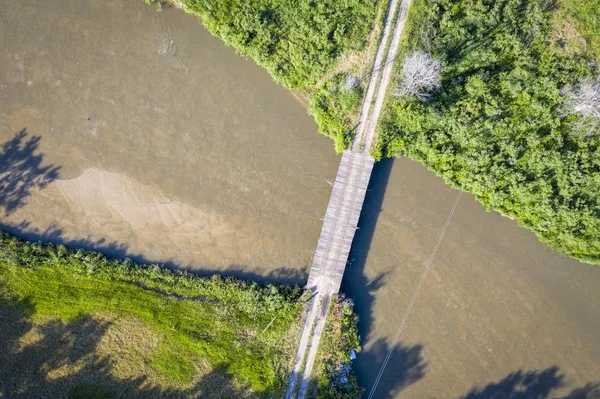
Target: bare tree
x,y
420,74
585,101
351,82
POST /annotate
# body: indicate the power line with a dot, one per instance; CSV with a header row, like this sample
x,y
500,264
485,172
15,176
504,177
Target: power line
x,y
414,297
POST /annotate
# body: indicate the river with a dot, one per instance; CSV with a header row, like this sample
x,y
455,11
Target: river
x,y
171,147
137,133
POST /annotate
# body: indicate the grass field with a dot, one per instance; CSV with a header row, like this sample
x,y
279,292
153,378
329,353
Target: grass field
x,y
75,323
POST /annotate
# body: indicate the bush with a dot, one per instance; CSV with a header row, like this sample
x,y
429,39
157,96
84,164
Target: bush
x,y
296,41
332,107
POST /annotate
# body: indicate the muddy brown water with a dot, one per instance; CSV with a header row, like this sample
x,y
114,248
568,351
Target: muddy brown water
x,y
138,133
171,147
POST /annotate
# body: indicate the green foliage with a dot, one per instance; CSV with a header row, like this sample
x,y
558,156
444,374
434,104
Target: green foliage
x,y
336,379
332,107
218,319
496,127
168,362
297,41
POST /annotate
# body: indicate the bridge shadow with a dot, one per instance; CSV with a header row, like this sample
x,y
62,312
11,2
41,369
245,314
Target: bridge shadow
x,y
355,283
405,364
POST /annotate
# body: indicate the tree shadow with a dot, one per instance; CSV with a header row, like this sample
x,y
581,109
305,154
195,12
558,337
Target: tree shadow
x,y
60,359
22,170
533,384
405,366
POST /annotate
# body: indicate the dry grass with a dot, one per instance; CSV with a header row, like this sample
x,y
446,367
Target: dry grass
x,y
565,34
104,351
360,63
576,26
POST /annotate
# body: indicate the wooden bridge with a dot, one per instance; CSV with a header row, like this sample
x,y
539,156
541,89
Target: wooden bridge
x,y
347,197
340,222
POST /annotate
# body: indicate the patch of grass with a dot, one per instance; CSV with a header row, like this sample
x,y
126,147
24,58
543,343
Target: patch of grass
x,y
585,16
172,365
212,320
333,106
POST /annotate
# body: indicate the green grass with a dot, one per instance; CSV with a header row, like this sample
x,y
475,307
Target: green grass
x,y
497,127
586,16
221,325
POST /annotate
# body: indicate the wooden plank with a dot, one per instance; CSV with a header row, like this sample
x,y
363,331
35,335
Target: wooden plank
x,y
340,222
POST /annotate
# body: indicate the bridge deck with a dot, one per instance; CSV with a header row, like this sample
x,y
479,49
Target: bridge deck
x,y
340,222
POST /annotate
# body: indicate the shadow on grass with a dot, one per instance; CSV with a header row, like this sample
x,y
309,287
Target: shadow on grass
x,y
22,170
57,359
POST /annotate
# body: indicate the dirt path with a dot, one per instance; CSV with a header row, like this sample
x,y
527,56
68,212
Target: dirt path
x,y
378,84
368,131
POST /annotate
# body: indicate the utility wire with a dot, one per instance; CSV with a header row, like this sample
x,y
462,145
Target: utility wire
x,y
414,298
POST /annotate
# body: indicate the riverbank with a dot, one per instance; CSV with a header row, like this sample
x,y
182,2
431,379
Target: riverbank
x,y
75,322
116,324
325,51
499,125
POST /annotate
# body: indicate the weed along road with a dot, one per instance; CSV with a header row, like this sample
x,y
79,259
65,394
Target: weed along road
x,y
345,204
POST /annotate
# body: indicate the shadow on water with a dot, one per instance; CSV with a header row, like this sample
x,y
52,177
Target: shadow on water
x,y
405,366
115,250
533,384
21,171
405,363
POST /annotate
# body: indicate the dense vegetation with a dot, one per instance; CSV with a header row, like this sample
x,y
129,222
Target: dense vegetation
x,y
333,106
497,127
335,377
194,320
296,41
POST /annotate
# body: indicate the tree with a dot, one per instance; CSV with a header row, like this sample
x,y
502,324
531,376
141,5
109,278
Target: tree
x,y
420,75
585,101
